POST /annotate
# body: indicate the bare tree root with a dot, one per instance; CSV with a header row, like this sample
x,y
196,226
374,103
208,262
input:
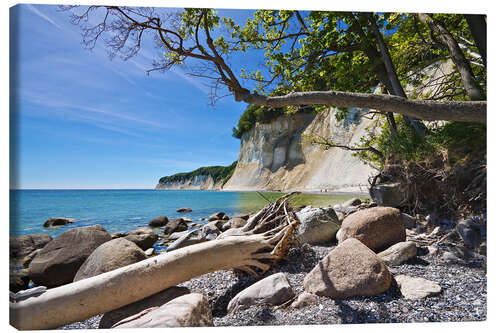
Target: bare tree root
x,y
266,239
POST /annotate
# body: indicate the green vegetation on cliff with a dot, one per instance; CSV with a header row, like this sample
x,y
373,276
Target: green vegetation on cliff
x,y
217,173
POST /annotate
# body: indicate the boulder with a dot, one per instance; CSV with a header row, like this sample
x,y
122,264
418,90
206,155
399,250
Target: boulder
x,y
191,310
177,235
156,300
243,216
57,263
416,287
317,225
115,235
142,237
387,194
274,289
184,210
192,237
159,221
29,258
351,269
303,300
109,256
408,221
377,227
58,221
213,227
175,225
352,202
472,233
18,280
398,253
21,246
237,222
218,216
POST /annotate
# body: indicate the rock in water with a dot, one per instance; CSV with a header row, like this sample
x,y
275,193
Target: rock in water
x,y
317,225
351,269
111,255
274,290
57,263
57,221
415,287
218,216
191,310
387,194
175,225
156,300
398,253
184,210
21,246
18,280
377,227
159,221
143,237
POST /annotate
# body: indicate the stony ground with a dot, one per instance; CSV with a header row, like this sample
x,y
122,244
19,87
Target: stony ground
x,y
463,296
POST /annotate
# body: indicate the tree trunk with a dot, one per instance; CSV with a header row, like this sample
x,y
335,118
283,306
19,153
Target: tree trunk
x,y
105,292
418,127
471,86
422,109
477,26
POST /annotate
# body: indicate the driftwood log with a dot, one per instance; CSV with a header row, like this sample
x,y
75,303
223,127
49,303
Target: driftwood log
x,y
263,240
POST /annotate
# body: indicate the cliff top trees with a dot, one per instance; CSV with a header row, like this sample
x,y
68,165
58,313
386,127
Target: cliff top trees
x,y
316,58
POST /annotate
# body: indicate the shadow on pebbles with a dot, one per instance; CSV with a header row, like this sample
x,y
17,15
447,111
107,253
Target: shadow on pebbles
x,y
463,296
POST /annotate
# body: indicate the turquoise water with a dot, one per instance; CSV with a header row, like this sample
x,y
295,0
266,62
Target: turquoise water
x,y
126,210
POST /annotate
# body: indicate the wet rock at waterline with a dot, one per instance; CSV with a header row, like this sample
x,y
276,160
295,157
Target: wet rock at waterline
x,y
184,210
159,221
142,237
58,221
58,262
21,246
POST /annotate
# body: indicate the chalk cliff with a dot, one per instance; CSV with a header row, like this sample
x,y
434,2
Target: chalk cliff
x,y
275,156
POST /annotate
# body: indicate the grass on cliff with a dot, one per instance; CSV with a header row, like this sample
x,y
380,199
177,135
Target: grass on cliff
x,y
218,173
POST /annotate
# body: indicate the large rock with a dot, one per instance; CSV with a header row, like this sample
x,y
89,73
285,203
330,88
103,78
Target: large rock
x,y
184,210
351,269
111,255
175,225
142,237
377,227
18,280
57,221
317,225
274,289
214,227
472,233
237,222
156,300
159,221
387,194
192,237
57,263
191,310
218,216
21,246
398,253
416,287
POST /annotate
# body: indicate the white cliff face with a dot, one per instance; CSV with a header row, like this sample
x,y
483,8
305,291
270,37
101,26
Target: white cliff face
x,y
275,156
200,182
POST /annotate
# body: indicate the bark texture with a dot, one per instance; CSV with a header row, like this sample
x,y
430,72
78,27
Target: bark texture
x,y
422,109
477,25
471,86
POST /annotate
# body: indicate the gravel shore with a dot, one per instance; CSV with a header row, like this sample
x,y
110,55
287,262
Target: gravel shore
x,y
463,296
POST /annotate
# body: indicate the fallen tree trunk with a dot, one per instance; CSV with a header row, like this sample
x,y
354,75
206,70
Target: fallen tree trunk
x,y
422,109
266,241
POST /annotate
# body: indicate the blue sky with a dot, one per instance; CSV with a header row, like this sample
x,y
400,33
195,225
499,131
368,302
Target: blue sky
x,y
83,121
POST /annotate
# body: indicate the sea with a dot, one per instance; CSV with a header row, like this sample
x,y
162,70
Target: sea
x,y
126,210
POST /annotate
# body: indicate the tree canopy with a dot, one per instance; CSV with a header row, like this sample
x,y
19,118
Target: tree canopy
x,y
317,58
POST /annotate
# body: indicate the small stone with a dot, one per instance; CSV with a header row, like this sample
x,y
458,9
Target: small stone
x,y
149,252
303,300
416,287
398,253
